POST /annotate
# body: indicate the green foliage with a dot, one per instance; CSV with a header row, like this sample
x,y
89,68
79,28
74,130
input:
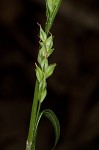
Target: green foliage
x,y
52,7
43,71
53,119
49,70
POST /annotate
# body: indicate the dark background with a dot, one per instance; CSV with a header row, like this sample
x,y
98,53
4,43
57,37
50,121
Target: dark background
x,y
73,90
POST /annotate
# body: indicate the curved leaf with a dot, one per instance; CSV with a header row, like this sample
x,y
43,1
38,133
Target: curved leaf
x,y
53,119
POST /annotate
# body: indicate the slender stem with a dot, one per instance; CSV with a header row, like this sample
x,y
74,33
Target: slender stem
x,y
38,110
33,117
35,134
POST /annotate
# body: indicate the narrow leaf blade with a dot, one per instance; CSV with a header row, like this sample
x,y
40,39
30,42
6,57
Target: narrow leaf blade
x,y
54,120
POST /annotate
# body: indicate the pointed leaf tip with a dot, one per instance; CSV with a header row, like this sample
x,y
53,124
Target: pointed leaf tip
x,y
49,70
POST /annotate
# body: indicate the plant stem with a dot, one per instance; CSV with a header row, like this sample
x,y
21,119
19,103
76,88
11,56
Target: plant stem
x,y
38,110
33,118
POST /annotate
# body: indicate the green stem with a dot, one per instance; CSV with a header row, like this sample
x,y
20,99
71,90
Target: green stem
x,y
38,110
35,134
33,118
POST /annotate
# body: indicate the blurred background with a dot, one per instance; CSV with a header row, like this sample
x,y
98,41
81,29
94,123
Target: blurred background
x,y
73,90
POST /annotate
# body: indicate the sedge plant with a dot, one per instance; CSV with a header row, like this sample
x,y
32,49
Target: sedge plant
x,y
43,71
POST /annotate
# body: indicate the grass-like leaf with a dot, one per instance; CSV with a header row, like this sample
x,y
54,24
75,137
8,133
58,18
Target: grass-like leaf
x,y
53,119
